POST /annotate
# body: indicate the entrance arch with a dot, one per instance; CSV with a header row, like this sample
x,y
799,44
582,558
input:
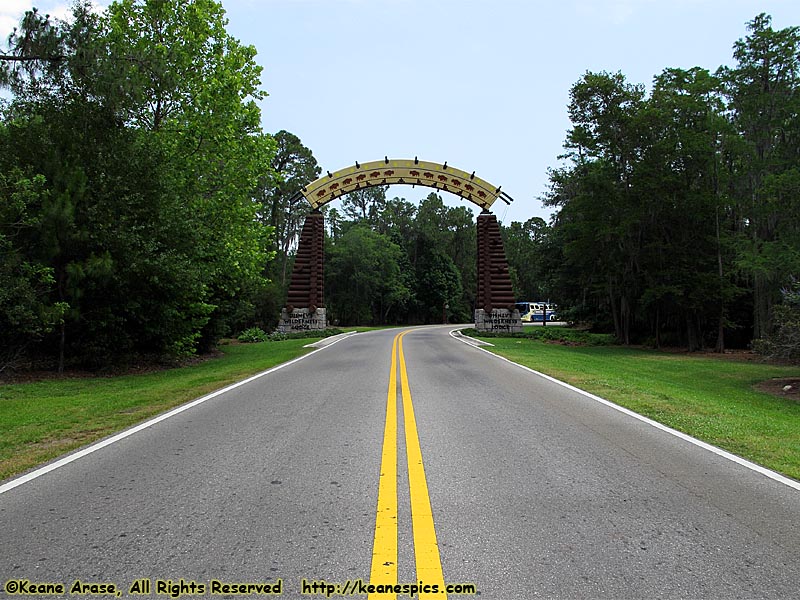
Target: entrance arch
x,y
414,172
494,310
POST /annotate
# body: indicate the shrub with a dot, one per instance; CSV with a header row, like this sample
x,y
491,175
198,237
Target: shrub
x,y
278,336
784,340
256,334
252,335
561,335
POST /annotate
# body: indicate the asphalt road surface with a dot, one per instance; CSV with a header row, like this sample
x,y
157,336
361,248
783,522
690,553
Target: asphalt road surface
x,y
482,474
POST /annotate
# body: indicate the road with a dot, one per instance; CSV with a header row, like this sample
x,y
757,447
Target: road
x,y
487,475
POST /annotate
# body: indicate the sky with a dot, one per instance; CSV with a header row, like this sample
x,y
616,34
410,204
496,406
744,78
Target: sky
x,y
481,84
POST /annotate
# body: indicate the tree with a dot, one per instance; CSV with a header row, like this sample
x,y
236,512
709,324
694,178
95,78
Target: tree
x,y
192,81
677,178
35,59
143,125
438,285
26,312
643,225
605,142
764,103
364,278
528,260
396,219
364,204
294,167
783,342
462,249
588,226
431,225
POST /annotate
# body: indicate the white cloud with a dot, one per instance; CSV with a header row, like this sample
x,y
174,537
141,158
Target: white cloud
x,y
11,12
7,25
15,7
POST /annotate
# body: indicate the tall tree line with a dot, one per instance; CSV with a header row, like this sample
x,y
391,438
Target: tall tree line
x,y
130,160
143,210
677,213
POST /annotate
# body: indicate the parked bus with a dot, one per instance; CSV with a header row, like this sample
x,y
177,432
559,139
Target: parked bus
x,y
531,312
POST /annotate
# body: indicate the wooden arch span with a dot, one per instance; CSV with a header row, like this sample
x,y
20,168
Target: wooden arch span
x,y
494,303
388,171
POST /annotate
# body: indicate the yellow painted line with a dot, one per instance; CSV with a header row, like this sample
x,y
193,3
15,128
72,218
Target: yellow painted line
x,y
426,549
384,549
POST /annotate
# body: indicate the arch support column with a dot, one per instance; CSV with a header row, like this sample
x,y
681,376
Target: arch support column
x,y
494,305
304,303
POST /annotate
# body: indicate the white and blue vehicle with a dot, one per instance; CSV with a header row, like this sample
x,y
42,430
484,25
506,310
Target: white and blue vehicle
x,y
531,312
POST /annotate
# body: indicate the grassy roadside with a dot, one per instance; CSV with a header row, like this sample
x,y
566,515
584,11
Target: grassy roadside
x,y
711,398
44,419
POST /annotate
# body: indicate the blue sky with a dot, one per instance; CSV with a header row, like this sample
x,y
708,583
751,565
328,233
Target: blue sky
x,y
481,84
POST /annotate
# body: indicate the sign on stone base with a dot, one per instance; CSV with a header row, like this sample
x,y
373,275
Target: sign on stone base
x,y
499,320
302,319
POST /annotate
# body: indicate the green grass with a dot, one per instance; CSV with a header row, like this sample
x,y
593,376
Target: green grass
x,y
42,420
711,398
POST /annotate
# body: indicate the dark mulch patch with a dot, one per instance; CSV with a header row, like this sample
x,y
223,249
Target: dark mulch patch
x,y
783,387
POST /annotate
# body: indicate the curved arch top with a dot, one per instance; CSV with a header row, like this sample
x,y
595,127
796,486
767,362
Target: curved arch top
x,y
331,186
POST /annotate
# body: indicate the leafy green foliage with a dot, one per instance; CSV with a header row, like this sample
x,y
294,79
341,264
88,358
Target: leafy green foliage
x,y
364,278
145,212
529,258
26,312
561,335
677,213
252,335
439,282
364,204
293,167
256,334
783,342
140,128
393,262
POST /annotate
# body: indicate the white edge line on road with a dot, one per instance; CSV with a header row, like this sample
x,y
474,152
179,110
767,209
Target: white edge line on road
x,y
706,446
135,429
330,341
456,333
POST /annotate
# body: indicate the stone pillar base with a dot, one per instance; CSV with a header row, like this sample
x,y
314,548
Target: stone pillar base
x,y
499,320
302,319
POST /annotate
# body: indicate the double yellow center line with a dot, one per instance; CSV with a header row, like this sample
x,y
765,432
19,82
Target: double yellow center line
x,y
384,549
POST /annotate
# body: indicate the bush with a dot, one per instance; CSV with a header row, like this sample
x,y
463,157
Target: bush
x,y
253,335
256,334
560,335
784,340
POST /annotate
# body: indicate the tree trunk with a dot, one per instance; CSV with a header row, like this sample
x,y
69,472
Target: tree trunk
x,y
614,314
658,327
720,345
625,309
61,345
692,337
761,306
